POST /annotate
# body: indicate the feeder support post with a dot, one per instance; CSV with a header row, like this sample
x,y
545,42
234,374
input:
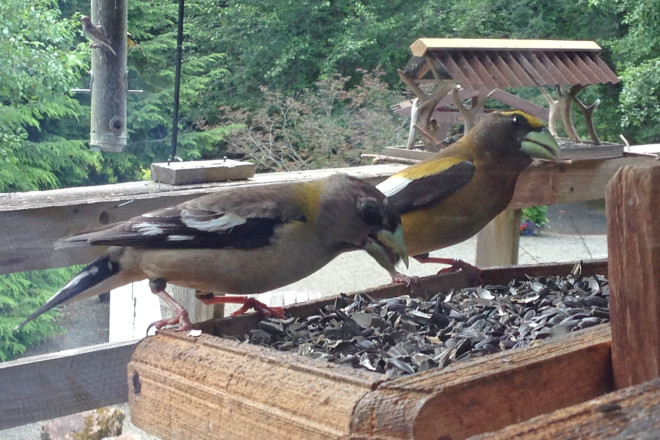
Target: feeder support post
x,y
633,240
109,78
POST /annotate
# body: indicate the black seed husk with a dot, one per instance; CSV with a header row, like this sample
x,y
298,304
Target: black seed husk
x,y
404,335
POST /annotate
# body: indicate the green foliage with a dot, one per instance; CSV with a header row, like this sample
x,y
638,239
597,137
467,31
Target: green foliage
x,y
640,103
39,68
634,47
323,126
535,214
23,293
150,113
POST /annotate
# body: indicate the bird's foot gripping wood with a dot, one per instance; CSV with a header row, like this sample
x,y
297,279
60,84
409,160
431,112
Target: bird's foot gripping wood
x,y
158,288
454,266
411,282
181,318
248,303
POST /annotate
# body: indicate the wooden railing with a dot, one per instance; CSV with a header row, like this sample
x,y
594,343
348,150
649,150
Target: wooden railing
x,y
58,384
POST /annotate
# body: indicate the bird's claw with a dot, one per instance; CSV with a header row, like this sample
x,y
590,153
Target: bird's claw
x,y
180,318
261,308
411,282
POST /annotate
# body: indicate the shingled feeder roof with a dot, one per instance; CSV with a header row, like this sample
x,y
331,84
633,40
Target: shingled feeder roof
x,y
494,63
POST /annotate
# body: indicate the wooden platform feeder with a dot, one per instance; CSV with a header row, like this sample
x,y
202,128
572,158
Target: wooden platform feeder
x,y
480,69
211,387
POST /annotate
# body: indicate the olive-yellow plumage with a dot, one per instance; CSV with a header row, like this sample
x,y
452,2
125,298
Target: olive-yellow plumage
x,y
448,198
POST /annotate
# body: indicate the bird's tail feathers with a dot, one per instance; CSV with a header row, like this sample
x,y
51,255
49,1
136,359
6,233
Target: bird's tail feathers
x,y
93,274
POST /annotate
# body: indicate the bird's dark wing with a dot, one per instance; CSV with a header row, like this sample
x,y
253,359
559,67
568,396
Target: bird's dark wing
x,y
198,226
412,189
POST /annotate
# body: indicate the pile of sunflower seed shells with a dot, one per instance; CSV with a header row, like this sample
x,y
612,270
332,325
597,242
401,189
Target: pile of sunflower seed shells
x,y
403,335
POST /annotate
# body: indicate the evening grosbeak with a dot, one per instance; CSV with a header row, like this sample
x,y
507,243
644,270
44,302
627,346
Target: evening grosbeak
x,y
132,42
450,197
96,34
242,241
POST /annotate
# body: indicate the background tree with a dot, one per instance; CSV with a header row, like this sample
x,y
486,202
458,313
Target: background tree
x,y
40,65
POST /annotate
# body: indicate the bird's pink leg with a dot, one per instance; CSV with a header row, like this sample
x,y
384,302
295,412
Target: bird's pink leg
x,y
158,288
248,303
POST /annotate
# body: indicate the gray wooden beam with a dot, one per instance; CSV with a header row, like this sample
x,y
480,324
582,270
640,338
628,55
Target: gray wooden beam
x,y
54,385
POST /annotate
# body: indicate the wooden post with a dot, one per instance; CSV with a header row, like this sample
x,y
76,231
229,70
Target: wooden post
x,y
109,81
633,236
197,310
497,243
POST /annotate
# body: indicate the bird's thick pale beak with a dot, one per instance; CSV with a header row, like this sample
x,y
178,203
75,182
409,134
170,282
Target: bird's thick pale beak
x,y
388,247
541,145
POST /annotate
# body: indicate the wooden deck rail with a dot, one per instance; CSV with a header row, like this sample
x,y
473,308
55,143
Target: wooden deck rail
x,y
38,219
54,385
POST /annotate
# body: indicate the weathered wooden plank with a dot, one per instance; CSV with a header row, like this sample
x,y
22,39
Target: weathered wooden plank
x,y
502,275
422,45
43,217
122,192
207,388
179,173
497,243
489,393
633,236
197,310
546,183
551,183
55,385
629,413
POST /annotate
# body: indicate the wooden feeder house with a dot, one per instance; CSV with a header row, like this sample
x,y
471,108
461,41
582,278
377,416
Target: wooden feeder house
x,y
478,69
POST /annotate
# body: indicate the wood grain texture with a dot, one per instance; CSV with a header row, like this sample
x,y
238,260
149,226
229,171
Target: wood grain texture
x,y
197,310
54,385
489,393
197,171
497,242
629,413
551,183
207,388
633,235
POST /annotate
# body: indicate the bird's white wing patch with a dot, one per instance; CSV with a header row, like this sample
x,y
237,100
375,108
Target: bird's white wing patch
x,y
147,228
393,185
180,237
213,224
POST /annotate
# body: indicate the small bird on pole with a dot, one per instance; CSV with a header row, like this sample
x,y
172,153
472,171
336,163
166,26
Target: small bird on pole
x,y
96,34
132,42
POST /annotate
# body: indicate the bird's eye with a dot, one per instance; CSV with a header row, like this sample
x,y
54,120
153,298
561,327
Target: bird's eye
x,y
517,121
371,212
